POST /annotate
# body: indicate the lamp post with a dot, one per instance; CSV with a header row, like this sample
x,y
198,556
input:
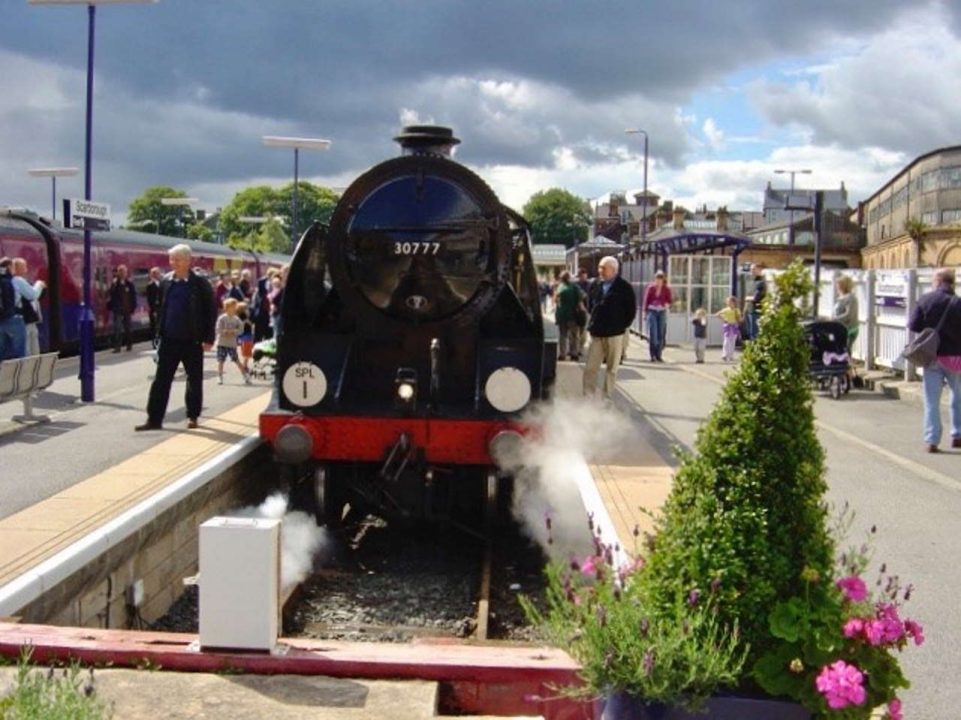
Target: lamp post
x,y
638,131
86,311
53,174
818,207
792,173
180,203
297,143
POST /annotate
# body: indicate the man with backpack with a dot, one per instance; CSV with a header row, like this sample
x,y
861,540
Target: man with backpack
x,y
12,330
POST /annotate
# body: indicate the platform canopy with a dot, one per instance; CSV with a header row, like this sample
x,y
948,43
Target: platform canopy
x,y
688,243
550,255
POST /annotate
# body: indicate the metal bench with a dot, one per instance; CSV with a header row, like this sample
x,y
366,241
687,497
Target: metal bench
x,y
22,377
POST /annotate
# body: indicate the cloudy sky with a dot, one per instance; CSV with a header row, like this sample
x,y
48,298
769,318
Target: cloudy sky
x,y
539,91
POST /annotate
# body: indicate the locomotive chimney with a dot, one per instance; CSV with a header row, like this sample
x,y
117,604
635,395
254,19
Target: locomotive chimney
x,y
426,140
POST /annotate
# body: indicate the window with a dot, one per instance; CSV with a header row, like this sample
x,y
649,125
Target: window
x,y
950,216
930,218
678,272
901,197
951,177
885,207
929,181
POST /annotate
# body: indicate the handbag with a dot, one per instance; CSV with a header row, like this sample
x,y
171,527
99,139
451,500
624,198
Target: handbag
x,y
580,315
923,349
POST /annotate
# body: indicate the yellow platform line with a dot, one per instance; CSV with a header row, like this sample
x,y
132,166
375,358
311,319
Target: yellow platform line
x,y
38,532
633,495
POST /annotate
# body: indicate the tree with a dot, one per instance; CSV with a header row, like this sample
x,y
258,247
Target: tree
x,y
557,216
262,201
258,201
916,229
149,214
313,203
199,231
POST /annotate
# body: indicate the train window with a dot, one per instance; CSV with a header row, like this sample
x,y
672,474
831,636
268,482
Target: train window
x,y
419,246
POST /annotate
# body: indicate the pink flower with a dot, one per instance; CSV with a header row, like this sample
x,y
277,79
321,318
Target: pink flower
x,y
853,627
894,710
915,631
841,685
587,567
888,626
853,588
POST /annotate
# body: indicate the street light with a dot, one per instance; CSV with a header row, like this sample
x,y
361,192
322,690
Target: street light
x,y
53,174
818,207
86,311
638,131
180,203
297,143
792,173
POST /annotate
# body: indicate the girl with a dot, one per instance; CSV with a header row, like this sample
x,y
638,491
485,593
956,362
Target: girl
x,y
732,328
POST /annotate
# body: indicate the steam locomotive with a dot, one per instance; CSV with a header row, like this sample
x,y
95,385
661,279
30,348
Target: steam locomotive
x,y
412,338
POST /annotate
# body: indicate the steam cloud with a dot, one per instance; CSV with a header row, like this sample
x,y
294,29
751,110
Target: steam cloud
x,y
551,468
301,539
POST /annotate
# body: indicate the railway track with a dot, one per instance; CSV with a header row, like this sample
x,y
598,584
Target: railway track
x,y
390,584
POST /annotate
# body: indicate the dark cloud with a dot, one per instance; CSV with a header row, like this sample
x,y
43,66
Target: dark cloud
x,y
186,87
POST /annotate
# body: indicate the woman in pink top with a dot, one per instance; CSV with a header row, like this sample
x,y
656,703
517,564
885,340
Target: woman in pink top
x,y
657,300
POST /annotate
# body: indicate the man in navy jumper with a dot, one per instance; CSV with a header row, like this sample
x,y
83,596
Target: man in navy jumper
x,y
612,307
186,328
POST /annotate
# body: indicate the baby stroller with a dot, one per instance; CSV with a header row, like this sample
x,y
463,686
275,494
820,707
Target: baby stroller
x,y
830,365
265,359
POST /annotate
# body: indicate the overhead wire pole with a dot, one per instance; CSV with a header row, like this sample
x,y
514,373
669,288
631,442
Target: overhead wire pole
x,y
792,173
86,311
643,228
297,143
53,174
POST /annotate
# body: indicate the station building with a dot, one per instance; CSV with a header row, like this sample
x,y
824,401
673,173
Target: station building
x,y
914,220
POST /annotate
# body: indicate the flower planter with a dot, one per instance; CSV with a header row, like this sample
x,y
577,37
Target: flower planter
x,y
621,706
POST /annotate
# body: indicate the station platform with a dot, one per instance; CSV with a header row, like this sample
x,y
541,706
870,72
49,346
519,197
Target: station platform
x,y
108,472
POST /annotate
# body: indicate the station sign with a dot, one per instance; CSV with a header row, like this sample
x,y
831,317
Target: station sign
x,y
86,215
891,290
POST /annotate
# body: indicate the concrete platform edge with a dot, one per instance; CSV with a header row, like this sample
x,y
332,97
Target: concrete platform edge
x,y
47,574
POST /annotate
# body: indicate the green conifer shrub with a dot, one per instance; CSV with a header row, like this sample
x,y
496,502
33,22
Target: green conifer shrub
x,y
746,520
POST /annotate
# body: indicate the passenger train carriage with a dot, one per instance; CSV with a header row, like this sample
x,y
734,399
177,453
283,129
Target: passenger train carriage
x,y
55,255
412,338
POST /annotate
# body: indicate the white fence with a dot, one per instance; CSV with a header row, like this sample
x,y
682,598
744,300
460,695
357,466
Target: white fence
x,y
886,299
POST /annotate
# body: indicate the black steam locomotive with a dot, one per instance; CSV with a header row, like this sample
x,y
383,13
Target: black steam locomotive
x,y
412,338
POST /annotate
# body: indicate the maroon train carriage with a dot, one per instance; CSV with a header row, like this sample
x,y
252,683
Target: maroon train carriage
x,y
412,339
55,255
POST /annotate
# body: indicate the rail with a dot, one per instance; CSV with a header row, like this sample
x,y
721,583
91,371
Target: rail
x,y
20,378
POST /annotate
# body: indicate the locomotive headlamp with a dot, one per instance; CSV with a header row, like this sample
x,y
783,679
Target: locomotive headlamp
x,y
405,386
508,389
293,444
505,449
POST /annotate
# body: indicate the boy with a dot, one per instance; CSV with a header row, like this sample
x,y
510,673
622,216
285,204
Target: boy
x,y
229,328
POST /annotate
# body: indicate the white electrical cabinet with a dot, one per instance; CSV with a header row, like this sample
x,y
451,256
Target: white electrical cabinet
x,y
239,583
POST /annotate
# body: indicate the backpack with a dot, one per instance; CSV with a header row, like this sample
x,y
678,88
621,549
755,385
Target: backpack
x,y
7,296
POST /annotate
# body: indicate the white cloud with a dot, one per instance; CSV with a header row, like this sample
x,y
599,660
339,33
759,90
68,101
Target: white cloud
x,y
898,90
714,135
